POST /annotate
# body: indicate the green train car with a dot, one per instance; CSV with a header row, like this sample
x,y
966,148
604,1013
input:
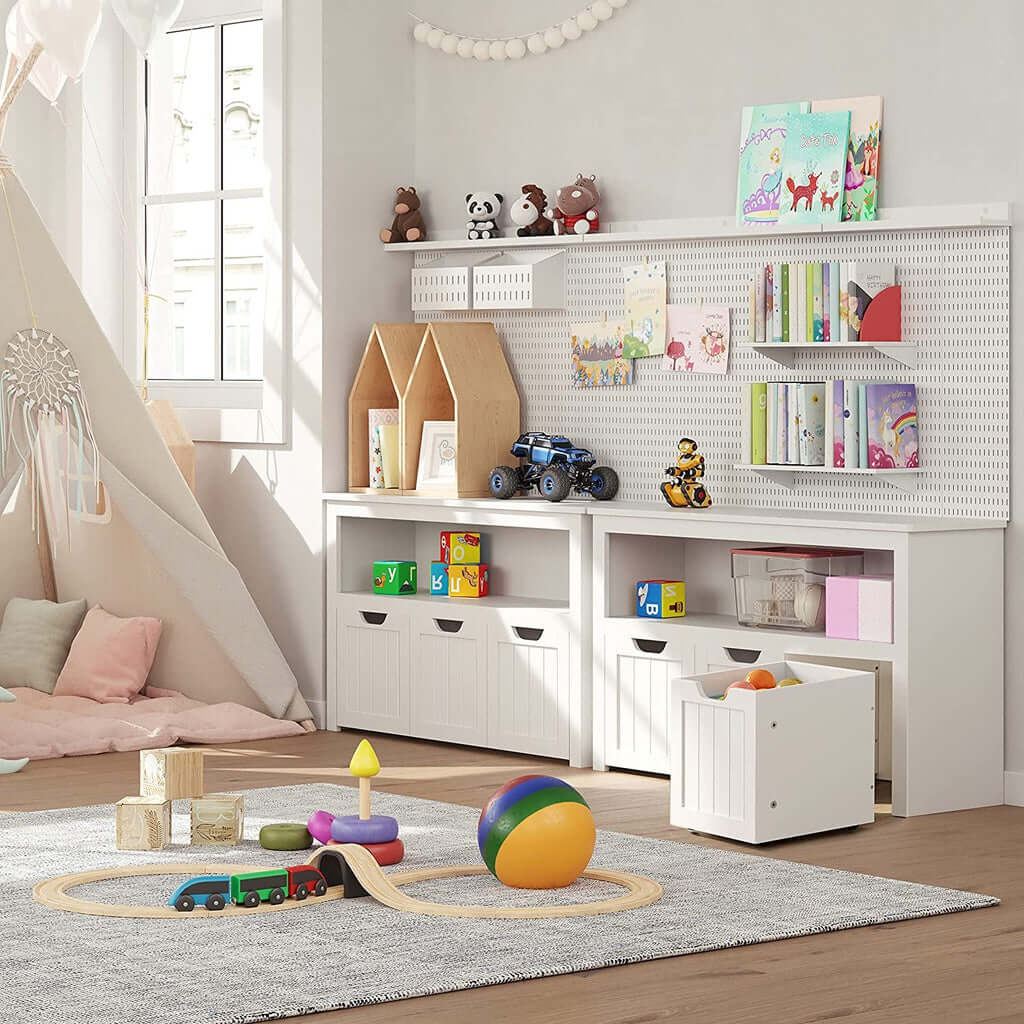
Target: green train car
x,y
249,890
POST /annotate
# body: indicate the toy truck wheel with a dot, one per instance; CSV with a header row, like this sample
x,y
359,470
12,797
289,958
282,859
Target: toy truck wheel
x,y
604,483
504,481
276,896
185,904
555,484
320,888
302,892
215,902
252,899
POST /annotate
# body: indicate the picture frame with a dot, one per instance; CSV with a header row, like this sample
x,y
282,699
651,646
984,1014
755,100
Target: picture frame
x,y
437,454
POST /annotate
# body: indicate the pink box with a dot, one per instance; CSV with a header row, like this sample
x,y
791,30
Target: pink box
x,y
859,608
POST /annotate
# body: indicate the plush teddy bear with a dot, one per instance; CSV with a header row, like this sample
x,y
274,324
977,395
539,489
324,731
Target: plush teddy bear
x,y
528,212
483,209
576,212
408,225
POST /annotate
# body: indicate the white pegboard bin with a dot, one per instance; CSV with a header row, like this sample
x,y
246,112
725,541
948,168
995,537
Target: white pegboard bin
x,y
444,283
520,280
956,312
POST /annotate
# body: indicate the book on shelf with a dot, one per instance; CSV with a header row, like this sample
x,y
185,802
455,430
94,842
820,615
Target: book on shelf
x,y
811,404
759,173
758,403
860,185
891,414
792,424
862,426
835,454
851,425
826,284
817,303
785,302
801,302
833,301
813,167
863,282
777,302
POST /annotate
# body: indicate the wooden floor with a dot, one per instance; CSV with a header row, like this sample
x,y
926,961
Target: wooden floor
x,y
960,968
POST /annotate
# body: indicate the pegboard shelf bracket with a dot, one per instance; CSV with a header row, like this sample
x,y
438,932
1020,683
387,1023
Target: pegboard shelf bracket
x,y
786,476
787,353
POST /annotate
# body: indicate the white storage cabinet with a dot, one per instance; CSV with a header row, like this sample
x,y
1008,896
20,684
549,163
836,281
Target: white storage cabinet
x,y
773,764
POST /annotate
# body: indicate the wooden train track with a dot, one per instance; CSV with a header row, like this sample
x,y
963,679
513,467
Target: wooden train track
x,y
55,892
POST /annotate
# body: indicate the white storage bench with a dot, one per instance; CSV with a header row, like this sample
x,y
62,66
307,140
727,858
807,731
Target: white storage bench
x,y
773,764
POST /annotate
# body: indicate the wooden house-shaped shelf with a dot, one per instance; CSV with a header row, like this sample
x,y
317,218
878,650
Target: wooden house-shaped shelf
x,y
380,383
461,374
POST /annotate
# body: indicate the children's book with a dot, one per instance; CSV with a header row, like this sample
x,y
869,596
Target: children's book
x,y
809,298
826,284
862,427
851,425
698,339
833,302
801,301
644,292
758,401
860,198
794,303
818,304
785,302
596,358
776,302
838,446
759,179
811,398
793,424
813,166
772,423
865,281
892,426
759,314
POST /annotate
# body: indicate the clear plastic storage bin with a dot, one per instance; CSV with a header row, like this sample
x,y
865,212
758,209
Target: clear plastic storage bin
x,y
785,587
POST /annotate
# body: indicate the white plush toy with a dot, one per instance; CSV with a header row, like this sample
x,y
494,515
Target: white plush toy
x,y
483,209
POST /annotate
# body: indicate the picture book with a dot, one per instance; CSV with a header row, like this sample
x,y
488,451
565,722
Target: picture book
x,y
379,418
794,303
812,167
826,327
838,446
759,177
864,282
596,352
772,423
758,423
759,329
811,401
809,300
862,425
860,198
851,426
793,424
781,425
785,302
644,294
892,426
835,333
776,302
801,301
698,339
817,303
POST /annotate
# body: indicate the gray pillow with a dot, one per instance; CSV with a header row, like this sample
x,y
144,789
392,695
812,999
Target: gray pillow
x,y
35,638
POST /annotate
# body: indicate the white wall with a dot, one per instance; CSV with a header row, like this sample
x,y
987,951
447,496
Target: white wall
x,y
650,103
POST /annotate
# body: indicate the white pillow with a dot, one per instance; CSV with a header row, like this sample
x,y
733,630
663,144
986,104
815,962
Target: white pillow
x,y
35,638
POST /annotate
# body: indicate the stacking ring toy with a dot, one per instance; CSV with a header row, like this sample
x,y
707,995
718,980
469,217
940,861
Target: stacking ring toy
x,y
378,828
319,826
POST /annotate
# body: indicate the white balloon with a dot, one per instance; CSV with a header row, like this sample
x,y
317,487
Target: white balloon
x,y
498,51
515,49
146,21
419,33
554,38
46,76
482,49
66,29
601,9
465,48
586,20
450,43
570,29
536,45
434,37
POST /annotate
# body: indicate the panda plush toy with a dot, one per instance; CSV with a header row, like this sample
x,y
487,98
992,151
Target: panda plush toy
x,y
483,209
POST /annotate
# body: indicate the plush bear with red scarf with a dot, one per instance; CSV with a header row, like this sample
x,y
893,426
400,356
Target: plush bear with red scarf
x,y
576,210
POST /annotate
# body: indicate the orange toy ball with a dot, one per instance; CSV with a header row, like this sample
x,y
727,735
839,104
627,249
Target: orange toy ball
x,y
743,684
761,678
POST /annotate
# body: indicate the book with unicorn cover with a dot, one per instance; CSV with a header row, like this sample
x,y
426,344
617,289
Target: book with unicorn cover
x,y
759,179
813,166
892,426
860,198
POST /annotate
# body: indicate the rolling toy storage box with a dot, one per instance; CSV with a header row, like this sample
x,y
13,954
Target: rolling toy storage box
x,y
785,587
772,764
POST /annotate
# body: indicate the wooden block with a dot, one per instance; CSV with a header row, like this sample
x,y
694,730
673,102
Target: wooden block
x,y
218,819
143,823
171,773
467,581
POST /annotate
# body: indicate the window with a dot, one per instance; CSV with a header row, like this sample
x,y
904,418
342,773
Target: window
x,y
204,203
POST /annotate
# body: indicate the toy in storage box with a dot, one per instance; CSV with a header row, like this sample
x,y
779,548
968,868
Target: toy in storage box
x,y
785,586
763,765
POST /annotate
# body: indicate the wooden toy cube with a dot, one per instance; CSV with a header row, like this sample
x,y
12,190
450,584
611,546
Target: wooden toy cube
x,y
460,548
218,819
171,773
467,581
439,579
660,599
394,577
142,823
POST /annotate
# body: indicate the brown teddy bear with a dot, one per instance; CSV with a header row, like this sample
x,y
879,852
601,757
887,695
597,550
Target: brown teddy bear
x,y
408,225
576,212
528,213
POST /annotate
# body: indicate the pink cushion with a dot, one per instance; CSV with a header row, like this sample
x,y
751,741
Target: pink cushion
x,y
110,658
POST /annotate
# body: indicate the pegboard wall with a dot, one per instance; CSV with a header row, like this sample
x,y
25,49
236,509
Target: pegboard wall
x,y
956,307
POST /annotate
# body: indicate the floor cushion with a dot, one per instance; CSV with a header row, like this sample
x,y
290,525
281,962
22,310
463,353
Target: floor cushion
x,y
35,638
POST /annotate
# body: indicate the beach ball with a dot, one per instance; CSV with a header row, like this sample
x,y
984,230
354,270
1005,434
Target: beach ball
x,y
536,832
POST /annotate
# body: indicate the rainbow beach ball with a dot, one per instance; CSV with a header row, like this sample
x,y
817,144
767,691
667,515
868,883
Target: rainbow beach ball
x,y
536,832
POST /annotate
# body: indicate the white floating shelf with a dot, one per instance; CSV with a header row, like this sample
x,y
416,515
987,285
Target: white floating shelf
x,y
903,479
902,218
787,353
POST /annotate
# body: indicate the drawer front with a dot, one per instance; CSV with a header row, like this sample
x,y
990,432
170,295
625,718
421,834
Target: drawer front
x,y
448,692
528,687
373,668
716,657
640,665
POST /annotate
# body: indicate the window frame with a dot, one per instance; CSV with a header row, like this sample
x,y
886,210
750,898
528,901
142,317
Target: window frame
x,y
239,412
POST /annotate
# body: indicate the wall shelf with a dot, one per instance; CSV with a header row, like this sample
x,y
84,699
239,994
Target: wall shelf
x,y
787,353
903,479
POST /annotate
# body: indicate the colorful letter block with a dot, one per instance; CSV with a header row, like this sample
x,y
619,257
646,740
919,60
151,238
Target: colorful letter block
x,y
660,599
467,581
394,577
438,579
460,548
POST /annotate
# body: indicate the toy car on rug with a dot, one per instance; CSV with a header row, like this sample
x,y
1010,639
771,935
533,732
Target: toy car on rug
x,y
555,467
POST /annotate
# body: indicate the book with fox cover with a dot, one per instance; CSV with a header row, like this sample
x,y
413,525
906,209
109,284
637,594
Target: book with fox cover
x,y
813,166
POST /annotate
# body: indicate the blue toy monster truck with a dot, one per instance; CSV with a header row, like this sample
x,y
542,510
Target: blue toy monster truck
x,y
555,468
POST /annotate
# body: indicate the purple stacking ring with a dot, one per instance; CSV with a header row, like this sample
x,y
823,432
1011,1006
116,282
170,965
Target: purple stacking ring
x,y
378,828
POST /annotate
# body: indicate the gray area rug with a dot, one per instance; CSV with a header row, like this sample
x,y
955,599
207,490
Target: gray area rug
x,y
62,968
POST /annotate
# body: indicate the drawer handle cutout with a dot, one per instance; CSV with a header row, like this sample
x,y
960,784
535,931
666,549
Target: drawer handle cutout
x,y
374,618
743,655
448,625
650,646
528,632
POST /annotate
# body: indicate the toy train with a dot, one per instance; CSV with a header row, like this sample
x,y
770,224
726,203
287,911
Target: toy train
x,y
249,889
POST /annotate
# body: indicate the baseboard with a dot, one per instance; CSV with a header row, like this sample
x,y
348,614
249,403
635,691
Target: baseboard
x,y
318,709
1013,789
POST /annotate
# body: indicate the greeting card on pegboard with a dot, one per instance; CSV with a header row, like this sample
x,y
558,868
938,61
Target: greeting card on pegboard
x,y
644,298
597,355
698,339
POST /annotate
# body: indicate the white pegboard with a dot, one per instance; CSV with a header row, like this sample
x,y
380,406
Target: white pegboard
x,y
956,307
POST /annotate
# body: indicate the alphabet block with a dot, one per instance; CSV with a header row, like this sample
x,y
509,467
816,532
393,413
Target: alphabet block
x,y
394,577
660,599
218,819
439,579
460,548
171,773
467,581
142,823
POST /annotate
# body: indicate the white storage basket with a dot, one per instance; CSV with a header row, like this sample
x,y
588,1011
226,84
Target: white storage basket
x,y
520,280
446,283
